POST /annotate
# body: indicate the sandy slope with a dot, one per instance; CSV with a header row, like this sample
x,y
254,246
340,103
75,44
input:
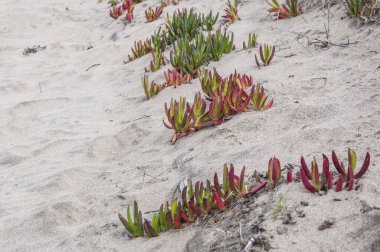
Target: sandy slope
x,y
75,144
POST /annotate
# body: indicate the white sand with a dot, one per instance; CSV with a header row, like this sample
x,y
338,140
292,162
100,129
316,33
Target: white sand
x,y
72,141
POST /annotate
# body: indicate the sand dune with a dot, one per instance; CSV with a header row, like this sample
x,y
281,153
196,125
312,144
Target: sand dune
x,y
78,144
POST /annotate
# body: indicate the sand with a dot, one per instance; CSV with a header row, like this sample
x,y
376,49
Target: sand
x,y
78,145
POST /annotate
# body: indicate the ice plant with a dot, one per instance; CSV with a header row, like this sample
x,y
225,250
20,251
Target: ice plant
x,y
220,44
217,109
210,81
158,60
198,108
159,39
153,14
323,181
182,24
231,12
140,49
208,21
289,176
133,225
351,165
150,89
189,56
128,8
175,77
274,171
286,10
179,118
115,12
259,98
237,101
252,41
266,55
355,7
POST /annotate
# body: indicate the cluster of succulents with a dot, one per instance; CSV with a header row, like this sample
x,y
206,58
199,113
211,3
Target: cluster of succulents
x,y
150,89
325,181
266,55
176,78
196,201
286,10
187,24
164,3
189,55
118,8
140,49
226,97
252,41
363,8
158,60
231,12
153,14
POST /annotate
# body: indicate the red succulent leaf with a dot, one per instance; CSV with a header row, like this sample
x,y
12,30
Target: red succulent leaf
x,y
337,165
184,217
339,183
176,222
196,209
305,168
364,166
219,201
269,105
258,187
231,176
289,176
306,181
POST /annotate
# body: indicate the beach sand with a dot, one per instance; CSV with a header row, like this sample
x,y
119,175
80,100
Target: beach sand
x,y
79,142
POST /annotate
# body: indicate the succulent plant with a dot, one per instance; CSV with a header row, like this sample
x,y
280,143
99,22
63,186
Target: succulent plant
x,y
266,55
220,44
140,49
159,40
153,14
164,3
252,41
179,118
351,165
133,225
198,108
319,181
231,12
175,77
189,56
158,60
237,101
274,171
355,7
128,7
242,81
150,89
208,21
210,81
217,109
259,98
289,9
289,176
182,24
115,12
111,2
